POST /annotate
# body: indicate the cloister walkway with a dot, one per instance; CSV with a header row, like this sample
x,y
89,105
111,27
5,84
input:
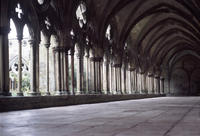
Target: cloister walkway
x,y
164,116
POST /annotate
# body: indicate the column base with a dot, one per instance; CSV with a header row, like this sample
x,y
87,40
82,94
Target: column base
x,y
92,92
118,92
58,93
34,94
5,94
67,92
64,93
20,94
99,92
108,92
47,94
79,93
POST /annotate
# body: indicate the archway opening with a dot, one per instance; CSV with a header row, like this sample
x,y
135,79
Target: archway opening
x,y
14,60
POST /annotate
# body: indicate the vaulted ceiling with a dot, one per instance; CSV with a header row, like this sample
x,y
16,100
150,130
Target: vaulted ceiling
x,y
158,32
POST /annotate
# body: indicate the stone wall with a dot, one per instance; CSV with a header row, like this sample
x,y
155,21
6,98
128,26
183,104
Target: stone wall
x,y
22,103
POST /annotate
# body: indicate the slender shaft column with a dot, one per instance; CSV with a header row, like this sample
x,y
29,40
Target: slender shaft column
x,y
169,85
4,62
97,62
155,85
149,85
120,80
82,73
106,88
135,82
20,93
72,72
62,63
1,65
79,71
152,85
158,84
54,69
47,68
37,52
96,75
139,82
130,82
58,72
87,67
99,76
111,78
4,53
145,84
93,75
162,87
123,79
142,83
115,80
47,72
66,73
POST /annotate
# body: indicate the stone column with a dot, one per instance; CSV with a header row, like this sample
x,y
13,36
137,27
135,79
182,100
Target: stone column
x,y
158,84
145,84
120,80
47,69
111,78
142,83
155,85
87,67
37,68
152,84
34,66
115,80
66,68
96,75
130,81
54,68
72,71
132,77
123,71
92,76
149,85
4,53
136,82
106,74
63,66
20,93
58,71
99,75
4,62
162,87
79,70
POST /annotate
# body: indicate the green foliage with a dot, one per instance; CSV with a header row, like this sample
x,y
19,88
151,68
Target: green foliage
x,y
25,81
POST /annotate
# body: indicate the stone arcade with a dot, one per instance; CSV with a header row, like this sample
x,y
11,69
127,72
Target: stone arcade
x,y
98,51
113,47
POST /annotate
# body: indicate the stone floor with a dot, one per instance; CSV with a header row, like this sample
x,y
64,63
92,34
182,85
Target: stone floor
x,y
166,116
